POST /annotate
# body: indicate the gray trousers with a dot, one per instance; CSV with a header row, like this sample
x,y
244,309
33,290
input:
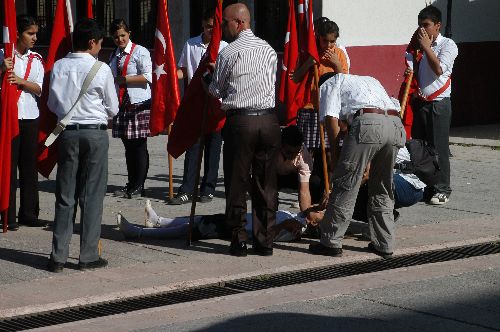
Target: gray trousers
x,y
372,138
82,174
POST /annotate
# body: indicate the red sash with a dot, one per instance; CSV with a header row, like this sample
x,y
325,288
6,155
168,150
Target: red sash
x,y
439,91
123,87
28,70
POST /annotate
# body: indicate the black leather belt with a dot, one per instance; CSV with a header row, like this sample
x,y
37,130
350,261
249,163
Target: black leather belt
x,y
375,111
86,126
243,111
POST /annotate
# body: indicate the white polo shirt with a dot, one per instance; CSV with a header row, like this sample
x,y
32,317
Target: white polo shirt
x,y
140,64
191,55
27,107
66,81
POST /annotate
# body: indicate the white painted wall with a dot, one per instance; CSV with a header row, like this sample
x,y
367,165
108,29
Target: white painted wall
x,y
392,22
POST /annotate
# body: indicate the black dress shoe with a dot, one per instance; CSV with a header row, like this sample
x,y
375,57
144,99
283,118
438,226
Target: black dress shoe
x,y
238,249
319,249
55,267
372,248
139,191
101,262
33,223
262,251
13,227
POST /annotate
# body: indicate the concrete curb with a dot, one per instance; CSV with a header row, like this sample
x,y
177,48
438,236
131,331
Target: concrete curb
x,y
32,309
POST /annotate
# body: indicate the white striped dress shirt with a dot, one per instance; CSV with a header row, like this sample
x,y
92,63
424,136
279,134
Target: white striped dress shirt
x,y
343,95
245,74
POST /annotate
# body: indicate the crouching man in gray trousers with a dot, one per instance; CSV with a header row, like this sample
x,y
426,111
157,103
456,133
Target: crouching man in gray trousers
x,y
375,135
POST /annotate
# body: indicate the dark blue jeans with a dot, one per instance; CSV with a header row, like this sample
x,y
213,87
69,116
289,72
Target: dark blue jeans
x,y
404,193
212,149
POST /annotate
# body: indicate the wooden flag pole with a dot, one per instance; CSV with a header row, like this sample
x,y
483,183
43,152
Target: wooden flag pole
x,y
405,95
170,169
198,170
321,132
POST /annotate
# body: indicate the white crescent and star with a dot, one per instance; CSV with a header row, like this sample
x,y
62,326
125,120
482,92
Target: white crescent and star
x,y
158,71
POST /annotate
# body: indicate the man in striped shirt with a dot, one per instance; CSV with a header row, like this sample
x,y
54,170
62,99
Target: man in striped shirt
x,y
244,78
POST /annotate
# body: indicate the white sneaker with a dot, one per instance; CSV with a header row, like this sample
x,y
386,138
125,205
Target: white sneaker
x,y
439,199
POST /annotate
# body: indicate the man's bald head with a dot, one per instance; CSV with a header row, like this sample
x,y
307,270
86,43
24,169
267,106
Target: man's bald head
x,y
235,19
239,11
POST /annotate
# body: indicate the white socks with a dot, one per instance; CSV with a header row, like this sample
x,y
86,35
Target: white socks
x,y
154,220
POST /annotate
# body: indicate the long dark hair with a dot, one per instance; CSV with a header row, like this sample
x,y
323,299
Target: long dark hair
x,y
24,22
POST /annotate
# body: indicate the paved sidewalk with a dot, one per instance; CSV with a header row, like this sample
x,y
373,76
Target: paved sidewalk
x,y
471,216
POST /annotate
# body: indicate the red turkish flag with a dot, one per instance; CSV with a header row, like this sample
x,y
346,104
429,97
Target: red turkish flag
x,y
60,45
288,88
90,13
307,46
412,57
165,92
9,127
187,125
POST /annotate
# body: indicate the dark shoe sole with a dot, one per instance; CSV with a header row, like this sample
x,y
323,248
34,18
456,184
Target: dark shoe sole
x,y
101,262
55,267
237,253
384,255
322,250
33,224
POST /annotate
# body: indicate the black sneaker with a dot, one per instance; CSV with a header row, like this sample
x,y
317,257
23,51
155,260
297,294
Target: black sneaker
x,y
55,267
121,192
101,262
139,191
206,198
319,249
13,227
385,255
238,249
262,251
33,223
179,199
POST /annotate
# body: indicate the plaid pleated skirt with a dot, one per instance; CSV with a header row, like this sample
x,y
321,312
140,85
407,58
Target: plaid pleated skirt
x,y
307,122
132,122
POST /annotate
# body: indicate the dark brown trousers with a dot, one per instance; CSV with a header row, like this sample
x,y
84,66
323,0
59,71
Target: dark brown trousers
x,y
251,145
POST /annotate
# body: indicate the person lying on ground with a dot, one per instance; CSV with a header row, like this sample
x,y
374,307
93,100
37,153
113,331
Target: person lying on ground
x,y
289,226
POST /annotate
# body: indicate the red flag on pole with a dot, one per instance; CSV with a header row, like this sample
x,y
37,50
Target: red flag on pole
x,y
60,45
412,56
165,92
90,12
9,127
187,125
288,88
308,48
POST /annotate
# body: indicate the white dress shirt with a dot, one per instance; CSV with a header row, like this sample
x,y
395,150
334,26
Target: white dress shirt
x,y
140,64
428,82
66,80
27,107
191,55
343,95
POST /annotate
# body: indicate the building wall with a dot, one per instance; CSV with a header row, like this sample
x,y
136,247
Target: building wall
x,y
377,32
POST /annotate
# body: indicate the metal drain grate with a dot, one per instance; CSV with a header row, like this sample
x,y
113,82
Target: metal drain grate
x,y
74,314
